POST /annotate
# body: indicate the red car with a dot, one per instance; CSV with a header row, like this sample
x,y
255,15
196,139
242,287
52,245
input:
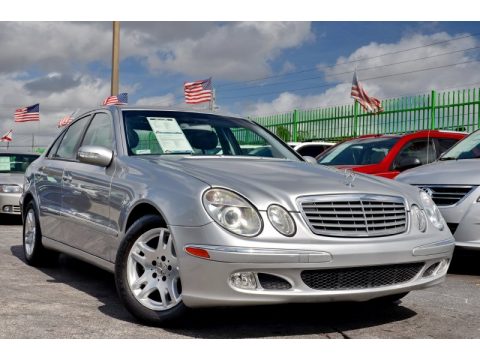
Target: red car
x,y
389,155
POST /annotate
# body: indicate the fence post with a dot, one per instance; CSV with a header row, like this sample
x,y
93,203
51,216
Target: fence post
x,y
295,124
355,118
432,110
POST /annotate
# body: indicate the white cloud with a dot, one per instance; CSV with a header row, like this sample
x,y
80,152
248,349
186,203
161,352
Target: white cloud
x,y
231,51
164,100
387,87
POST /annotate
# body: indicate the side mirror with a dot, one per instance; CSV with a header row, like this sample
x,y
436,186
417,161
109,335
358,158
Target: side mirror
x,y
407,163
95,155
310,160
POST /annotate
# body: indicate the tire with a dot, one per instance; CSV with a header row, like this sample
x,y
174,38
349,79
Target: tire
x,y
147,273
33,249
389,299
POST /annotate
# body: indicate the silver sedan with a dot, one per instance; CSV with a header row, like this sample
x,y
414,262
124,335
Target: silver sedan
x,y
143,193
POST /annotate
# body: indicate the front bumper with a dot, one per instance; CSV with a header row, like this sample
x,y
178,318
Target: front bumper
x,y
465,221
10,203
206,282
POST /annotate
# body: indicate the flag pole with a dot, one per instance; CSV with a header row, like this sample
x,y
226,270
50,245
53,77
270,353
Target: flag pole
x,y
212,102
115,58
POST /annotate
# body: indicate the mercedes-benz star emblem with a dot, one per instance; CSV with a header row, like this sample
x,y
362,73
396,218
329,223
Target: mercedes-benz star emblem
x,y
349,177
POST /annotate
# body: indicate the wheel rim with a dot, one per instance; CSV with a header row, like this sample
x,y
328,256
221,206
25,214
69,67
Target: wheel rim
x,y
30,232
153,272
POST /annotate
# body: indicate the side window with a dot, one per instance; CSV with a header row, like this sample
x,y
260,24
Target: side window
x,y
422,149
68,146
100,132
54,147
445,144
311,150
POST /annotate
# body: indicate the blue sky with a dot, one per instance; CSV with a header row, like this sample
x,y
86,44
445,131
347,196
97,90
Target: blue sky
x,y
66,65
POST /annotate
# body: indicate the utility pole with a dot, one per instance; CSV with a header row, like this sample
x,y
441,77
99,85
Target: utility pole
x,y
115,57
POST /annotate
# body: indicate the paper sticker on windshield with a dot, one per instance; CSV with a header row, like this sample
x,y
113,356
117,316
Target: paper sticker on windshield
x,y
169,135
5,163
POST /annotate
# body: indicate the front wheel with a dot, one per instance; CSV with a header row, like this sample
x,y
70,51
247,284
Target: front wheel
x,y
147,272
35,253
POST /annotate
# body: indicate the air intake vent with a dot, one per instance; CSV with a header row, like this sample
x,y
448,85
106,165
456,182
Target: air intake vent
x,y
355,215
360,277
272,282
447,195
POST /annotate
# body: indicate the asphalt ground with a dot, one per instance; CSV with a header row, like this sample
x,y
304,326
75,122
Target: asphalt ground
x,y
76,300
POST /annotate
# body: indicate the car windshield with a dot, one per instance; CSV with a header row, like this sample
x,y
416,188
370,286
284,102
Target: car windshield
x,y
468,148
358,152
150,132
15,163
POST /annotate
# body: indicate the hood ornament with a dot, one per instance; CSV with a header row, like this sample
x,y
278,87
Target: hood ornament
x,y
349,177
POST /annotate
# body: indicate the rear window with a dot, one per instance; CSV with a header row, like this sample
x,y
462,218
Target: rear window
x,y
15,163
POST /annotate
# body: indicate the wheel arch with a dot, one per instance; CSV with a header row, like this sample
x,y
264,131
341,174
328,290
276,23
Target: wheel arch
x,y
141,209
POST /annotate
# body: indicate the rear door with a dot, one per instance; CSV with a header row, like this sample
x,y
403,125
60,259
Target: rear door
x,y
86,194
49,178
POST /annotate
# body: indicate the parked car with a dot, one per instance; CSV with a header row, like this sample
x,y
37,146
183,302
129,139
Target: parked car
x,y
311,148
388,155
12,169
183,228
454,184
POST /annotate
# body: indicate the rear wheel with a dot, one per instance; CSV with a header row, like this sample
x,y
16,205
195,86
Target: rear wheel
x,y
147,272
35,253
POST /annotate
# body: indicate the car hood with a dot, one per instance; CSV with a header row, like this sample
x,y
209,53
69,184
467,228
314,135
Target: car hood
x,y
267,181
366,169
457,172
11,178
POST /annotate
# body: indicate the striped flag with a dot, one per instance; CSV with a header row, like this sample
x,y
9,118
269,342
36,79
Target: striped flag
x,y
29,113
369,104
65,121
116,99
199,91
7,137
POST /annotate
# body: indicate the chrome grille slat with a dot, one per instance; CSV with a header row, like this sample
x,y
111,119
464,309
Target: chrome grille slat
x,y
447,195
367,215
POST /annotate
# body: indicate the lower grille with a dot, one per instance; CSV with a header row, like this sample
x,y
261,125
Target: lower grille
x,y
447,195
360,277
271,282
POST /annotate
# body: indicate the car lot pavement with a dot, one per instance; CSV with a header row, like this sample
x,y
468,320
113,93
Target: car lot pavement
x,y
76,300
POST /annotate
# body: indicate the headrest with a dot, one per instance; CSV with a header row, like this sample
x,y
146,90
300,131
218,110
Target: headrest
x,y
201,139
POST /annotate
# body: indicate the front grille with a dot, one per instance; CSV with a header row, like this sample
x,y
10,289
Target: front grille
x,y
355,215
360,277
447,195
272,282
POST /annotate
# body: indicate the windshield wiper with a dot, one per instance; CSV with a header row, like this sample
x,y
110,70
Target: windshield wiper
x,y
445,158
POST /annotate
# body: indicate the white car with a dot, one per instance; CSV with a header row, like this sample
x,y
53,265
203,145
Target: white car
x,y
313,148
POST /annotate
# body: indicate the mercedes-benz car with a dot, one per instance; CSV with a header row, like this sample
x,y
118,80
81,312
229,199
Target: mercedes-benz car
x,y
136,191
454,184
12,169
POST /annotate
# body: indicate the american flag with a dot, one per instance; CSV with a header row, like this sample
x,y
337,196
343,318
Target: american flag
x,y
65,121
7,137
29,113
199,91
368,103
116,99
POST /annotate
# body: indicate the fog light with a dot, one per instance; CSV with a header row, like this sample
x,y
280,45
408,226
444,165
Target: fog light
x,y
8,208
243,280
443,267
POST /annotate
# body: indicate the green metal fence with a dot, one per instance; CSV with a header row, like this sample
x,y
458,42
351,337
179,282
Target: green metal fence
x,y
447,110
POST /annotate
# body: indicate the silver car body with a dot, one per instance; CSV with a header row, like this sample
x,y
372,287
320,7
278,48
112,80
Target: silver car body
x,y
455,186
85,211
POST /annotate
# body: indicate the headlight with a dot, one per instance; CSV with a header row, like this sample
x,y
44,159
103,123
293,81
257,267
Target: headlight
x,y
10,189
433,214
281,220
418,218
232,212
